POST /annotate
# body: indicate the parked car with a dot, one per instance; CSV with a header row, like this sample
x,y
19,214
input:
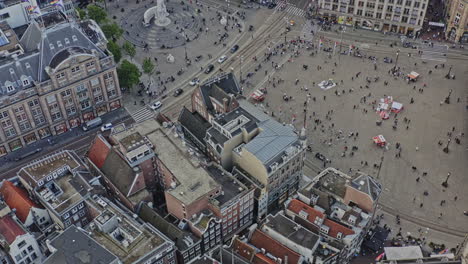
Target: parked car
x,y
178,92
209,68
107,126
156,105
195,81
234,48
271,5
222,59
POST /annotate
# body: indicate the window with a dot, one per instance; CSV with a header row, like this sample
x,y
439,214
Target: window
x,y
82,213
10,88
21,244
33,103
74,38
25,82
51,46
94,82
71,111
66,216
33,256
67,41
6,123
60,75
457,19
66,93
10,132
24,126
98,99
3,115
75,69
416,4
30,248
59,44
359,12
85,104
18,257
80,88
56,116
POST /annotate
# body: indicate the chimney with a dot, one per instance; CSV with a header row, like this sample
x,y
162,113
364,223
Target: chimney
x,y
225,104
263,251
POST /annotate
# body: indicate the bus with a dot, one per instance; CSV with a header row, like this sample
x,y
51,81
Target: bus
x,y
92,123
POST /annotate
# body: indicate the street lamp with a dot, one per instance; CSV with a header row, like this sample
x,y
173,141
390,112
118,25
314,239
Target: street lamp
x,y
185,48
240,68
446,149
341,41
447,99
445,183
396,60
448,74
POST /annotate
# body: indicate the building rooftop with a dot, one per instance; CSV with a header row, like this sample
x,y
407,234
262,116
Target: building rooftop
x,y
17,198
124,237
182,239
99,150
219,87
274,140
230,185
401,253
194,122
311,214
56,163
64,192
261,240
224,255
332,181
129,139
367,184
76,247
292,231
10,229
193,181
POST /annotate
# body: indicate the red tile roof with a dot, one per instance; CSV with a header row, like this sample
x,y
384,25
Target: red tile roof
x,y
336,228
99,151
262,259
261,240
17,198
10,229
296,206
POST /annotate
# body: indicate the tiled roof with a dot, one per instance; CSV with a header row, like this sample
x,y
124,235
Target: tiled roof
x,y
336,228
18,199
194,123
10,229
242,249
99,151
262,259
261,240
117,170
296,206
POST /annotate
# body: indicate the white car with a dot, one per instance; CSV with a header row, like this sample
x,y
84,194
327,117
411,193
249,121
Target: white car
x,y
195,81
156,105
222,59
106,127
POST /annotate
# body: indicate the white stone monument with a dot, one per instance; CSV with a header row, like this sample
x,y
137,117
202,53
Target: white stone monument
x,y
160,14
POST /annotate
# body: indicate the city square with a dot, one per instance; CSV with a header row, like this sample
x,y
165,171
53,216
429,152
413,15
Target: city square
x,y
369,112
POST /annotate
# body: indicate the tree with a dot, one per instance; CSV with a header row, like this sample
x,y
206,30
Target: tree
x,y
97,14
148,66
129,75
115,50
112,31
129,49
81,13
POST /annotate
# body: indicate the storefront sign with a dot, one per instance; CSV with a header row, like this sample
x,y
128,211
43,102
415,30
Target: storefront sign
x,y
101,110
436,24
74,122
59,129
88,116
28,139
3,151
44,132
114,105
16,144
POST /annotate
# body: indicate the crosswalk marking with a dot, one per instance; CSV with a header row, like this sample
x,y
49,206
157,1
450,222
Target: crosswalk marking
x,y
142,114
284,6
434,52
306,31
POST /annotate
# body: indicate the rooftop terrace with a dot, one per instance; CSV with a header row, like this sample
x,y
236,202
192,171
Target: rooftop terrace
x,y
40,168
332,181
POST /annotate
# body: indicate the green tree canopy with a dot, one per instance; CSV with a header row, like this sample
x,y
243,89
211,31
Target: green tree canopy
x,y
81,13
148,66
129,49
115,50
97,14
112,31
129,75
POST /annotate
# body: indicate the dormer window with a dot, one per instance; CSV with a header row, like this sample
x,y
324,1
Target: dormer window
x,y
59,44
10,88
339,235
27,65
67,41
324,229
51,46
12,71
74,38
25,82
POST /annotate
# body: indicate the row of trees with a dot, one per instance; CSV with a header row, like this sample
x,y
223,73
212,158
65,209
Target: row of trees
x,y
129,74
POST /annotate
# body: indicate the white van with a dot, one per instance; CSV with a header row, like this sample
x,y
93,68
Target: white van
x,y
92,123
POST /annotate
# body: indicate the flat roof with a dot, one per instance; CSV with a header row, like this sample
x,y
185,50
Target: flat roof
x,y
64,192
193,180
129,139
230,185
292,230
332,181
74,246
144,240
42,167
